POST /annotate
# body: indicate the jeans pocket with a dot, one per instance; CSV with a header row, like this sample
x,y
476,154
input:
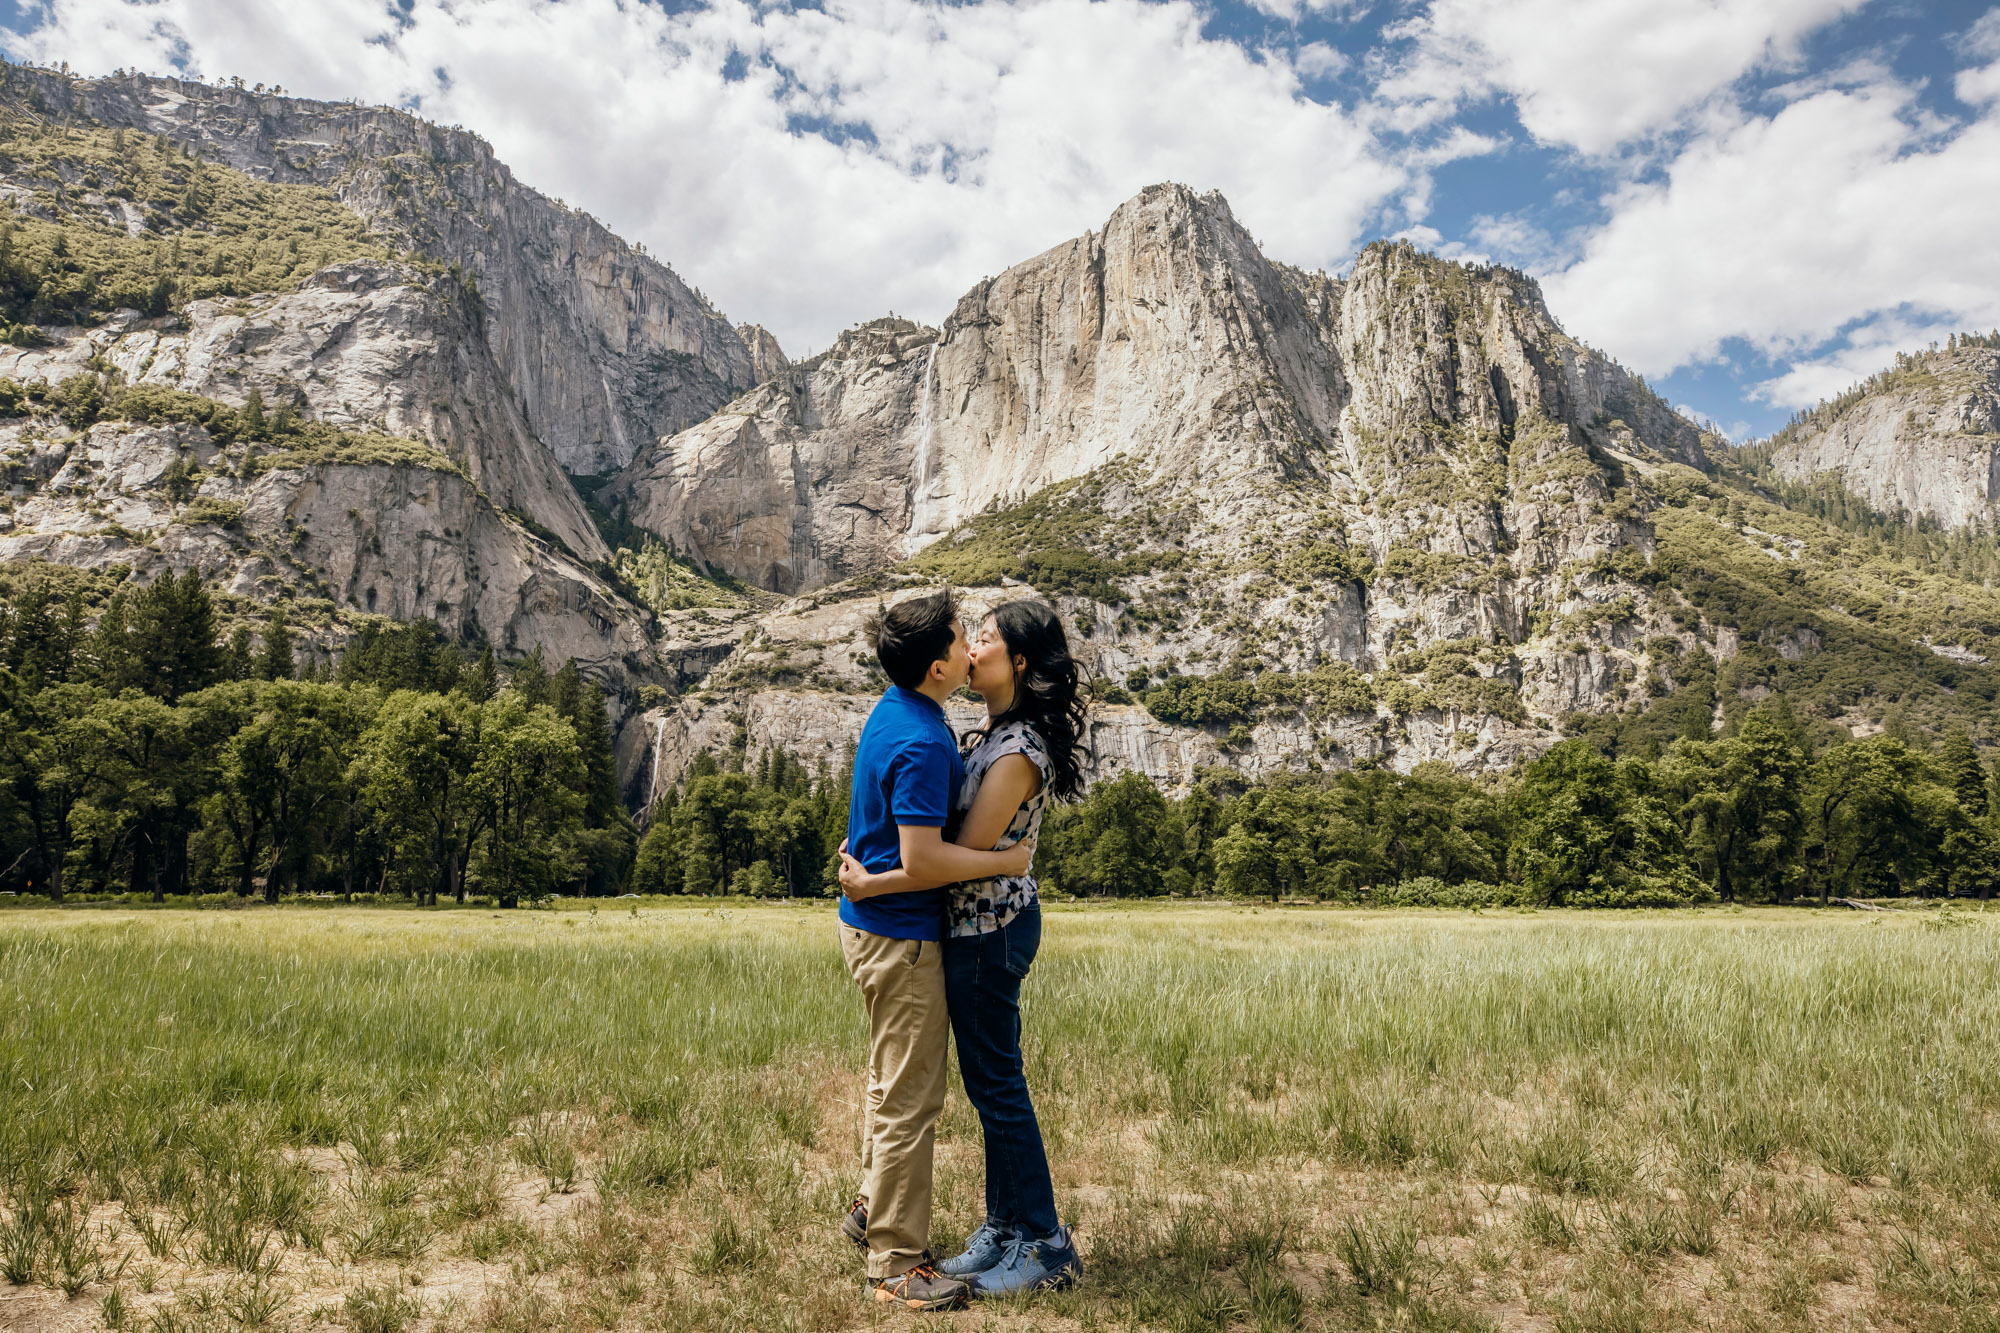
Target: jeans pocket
x,y
1021,940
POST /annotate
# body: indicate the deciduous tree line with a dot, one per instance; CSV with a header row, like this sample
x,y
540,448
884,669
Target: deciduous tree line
x,y
138,753
1757,814
1760,813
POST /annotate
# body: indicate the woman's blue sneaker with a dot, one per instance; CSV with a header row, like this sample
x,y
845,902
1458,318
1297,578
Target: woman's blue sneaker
x,y
1048,1264
983,1249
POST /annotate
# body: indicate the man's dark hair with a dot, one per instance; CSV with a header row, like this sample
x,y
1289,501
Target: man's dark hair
x,y
911,635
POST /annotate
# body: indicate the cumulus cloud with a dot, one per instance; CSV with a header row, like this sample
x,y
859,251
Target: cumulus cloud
x,y
1845,208
810,167
1317,60
1868,348
1291,11
1592,76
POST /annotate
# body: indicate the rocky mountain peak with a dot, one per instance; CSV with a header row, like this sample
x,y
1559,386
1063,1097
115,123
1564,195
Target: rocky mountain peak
x,y
1921,438
767,359
606,348
1166,339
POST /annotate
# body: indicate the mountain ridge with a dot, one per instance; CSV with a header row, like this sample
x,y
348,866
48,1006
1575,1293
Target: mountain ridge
x,y
630,321
1295,520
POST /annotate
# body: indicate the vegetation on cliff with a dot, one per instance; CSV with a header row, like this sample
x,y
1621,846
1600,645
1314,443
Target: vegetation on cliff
x,y
107,219
277,437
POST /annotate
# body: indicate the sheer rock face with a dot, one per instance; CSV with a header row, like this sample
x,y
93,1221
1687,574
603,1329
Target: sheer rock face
x,y
1926,442
604,348
1167,339
767,359
361,346
1420,417
399,540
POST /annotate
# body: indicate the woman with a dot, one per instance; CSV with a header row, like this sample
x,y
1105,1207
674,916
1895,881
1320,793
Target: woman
x,y
1029,751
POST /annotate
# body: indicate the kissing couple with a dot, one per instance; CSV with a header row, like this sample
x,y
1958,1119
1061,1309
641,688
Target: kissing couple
x,y
939,923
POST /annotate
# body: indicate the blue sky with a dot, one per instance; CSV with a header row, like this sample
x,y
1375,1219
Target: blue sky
x,y
1753,204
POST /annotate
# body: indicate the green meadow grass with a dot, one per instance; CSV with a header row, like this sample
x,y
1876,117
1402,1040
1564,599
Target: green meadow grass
x,y
645,1118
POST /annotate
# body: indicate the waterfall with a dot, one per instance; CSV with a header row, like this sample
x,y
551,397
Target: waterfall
x,y
920,492
924,409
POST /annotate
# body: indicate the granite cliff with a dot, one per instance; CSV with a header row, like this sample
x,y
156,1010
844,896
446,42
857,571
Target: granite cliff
x,y
1222,467
1920,439
455,309
1294,520
605,347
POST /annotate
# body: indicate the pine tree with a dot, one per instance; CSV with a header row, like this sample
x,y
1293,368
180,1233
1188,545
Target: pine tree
x,y
482,681
566,690
1964,773
253,413
172,637
42,636
275,663
530,680
178,480
659,869
239,659
118,666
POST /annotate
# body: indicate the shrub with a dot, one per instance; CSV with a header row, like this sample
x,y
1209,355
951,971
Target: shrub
x,y
1430,891
207,509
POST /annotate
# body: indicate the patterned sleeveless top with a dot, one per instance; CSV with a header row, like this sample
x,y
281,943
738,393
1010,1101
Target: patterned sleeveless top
x,y
982,906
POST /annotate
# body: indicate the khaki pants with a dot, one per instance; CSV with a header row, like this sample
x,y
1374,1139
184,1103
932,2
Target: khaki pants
x,y
902,982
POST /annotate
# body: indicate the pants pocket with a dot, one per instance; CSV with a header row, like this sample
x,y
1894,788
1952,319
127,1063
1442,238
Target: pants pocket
x,y
1021,940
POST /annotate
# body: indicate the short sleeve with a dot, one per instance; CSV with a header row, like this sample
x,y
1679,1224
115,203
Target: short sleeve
x,y
920,784
1022,741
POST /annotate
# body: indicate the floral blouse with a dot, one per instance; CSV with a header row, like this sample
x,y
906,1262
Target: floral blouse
x,y
982,906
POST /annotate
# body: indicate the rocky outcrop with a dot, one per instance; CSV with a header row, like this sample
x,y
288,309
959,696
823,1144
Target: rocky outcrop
x,y
1168,340
1411,472
1166,337
605,348
767,359
407,540
1921,440
362,346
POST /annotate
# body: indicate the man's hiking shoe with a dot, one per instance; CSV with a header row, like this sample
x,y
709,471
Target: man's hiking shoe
x,y
855,1225
1048,1264
983,1249
922,1288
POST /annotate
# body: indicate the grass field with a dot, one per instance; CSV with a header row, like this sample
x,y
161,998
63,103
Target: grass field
x,y
392,1121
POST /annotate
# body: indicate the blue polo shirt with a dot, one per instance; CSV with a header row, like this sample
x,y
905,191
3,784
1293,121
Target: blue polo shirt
x,y
906,771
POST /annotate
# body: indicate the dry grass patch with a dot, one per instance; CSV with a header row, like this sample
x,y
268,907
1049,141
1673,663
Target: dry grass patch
x,y
402,1122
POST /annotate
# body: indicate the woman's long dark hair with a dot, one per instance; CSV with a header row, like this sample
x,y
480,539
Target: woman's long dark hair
x,y
1048,694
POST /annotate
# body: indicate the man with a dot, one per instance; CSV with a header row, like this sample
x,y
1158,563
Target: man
x,y
906,772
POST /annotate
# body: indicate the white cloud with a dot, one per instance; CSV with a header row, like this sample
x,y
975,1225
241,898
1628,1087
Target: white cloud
x,y
1291,11
1842,209
1864,351
1594,76
997,129
1516,239
1983,37
1317,60
1981,86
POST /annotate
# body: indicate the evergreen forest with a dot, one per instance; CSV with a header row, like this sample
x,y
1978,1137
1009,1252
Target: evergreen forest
x,y
145,751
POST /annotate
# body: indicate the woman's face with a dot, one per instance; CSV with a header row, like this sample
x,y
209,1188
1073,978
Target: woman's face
x,y
992,669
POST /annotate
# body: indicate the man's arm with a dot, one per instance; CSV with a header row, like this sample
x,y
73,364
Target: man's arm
x,y
931,862
1008,785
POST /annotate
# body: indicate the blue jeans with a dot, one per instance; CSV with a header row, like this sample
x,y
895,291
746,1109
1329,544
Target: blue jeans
x,y
982,987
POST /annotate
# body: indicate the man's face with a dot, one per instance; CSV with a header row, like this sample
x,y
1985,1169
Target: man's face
x,y
956,664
